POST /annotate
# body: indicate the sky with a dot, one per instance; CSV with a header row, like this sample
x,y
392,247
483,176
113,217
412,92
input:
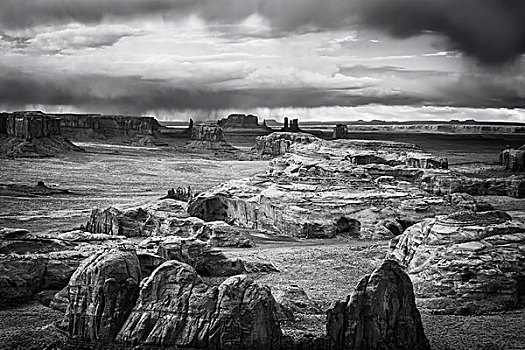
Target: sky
x,y
307,59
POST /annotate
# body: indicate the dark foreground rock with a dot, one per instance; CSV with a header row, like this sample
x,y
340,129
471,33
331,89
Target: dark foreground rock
x,y
31,263
465,263
102,292
380,314
238,314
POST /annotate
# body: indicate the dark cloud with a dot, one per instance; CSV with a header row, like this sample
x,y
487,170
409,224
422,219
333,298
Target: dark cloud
x,y
491,31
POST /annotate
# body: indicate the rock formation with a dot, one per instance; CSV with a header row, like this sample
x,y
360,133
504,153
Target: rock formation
x,y
82,126
464,263
513,159
102,292
279,143
32,134
205,258
441,183
208,136
181,194
238,314
207,132
327,188
30,263
201,256
239,121
340,131
380,314
166,217
293,126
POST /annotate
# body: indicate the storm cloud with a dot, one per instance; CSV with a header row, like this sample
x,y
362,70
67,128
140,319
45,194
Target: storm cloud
x,y
491,31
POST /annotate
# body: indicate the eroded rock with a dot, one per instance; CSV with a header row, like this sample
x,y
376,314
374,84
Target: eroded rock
x,y
235,315
102,293
465,263
380,314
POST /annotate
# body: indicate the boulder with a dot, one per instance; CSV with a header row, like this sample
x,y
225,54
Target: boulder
x,y
176,308
380,314
102,293
464,263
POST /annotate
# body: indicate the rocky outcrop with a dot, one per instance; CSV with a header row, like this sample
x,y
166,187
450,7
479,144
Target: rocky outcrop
x,y
82,126
165,217
201,256
513,159
32,134
465,263
31,263
442,183
293,126
30,125
320,190
209,136
279,143
240,121
380,314
207,132
340,131
102,293
176,308
206,259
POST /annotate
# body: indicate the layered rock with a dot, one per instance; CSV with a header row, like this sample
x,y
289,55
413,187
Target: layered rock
x,y
30,125
207,260
323,189
31,263
102,292
208,136
513,159
81,126
380,314
166,217
240,121
465,263
279,143
441,183
32,134
207,132
238,314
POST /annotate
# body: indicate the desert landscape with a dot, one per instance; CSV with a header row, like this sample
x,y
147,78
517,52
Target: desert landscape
x,y
300,219
262,175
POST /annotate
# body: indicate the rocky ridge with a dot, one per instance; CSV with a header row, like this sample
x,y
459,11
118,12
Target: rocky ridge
x,y
465,263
